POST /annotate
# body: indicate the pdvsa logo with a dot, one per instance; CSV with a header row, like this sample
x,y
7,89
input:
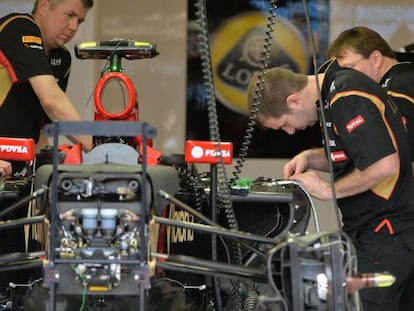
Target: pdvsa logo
x,y
17,149
197,152
14,149
208,152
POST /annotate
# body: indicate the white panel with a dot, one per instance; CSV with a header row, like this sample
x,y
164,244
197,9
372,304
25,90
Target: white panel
x,y
10,6
160,81
394,20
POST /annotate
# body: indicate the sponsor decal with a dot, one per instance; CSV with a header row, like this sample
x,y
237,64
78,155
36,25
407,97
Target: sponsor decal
x,y
18,149
338,156
332,87
176,234
208,152
385,84
36,47
55,61
31,39
14,149
354,123
404,121
197,152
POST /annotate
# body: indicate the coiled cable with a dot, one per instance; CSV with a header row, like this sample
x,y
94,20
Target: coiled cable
x,y
223,190
264,63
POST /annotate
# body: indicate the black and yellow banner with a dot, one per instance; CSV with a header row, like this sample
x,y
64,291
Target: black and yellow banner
x,y
237,33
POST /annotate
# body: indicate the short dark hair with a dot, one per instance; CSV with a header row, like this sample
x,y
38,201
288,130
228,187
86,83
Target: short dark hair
x,y
361,40
277,83
88,4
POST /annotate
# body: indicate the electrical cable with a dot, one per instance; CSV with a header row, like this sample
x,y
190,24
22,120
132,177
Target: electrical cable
x,y
308,196
322,116
222,180
223,183
223,191
264,63
105,69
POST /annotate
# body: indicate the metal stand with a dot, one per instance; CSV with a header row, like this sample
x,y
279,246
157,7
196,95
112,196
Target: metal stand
x,y
213,204
100,128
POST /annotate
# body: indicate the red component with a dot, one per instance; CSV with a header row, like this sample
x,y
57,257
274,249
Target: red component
x,y
73,153
197,151
130,112
153,155
17,149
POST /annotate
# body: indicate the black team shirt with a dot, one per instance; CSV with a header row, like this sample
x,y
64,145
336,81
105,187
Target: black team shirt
x,y
22,56
364,126
399,84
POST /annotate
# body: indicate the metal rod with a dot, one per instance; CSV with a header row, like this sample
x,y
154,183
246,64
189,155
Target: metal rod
x,y
21,202
21,222
220,269
215,230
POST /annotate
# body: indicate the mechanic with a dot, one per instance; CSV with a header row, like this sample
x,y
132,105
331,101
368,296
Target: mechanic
x,y
35,67
34,72
370,159
364,49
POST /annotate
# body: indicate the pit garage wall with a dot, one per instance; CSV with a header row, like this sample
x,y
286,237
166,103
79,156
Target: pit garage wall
x,y
160,82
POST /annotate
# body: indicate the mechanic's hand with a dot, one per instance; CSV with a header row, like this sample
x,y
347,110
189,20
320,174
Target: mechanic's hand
x,y
297,165
5,168
314,184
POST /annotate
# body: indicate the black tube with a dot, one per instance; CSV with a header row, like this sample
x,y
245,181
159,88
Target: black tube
x,y
215,230
21,222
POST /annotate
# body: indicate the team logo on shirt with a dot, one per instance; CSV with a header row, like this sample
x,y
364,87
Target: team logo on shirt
x,y
354,123
385,84
56,61
332,87
338,156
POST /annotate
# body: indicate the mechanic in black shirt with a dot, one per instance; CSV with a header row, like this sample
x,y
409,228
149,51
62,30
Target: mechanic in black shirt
x,y
364,49
371,165
34,72
35,66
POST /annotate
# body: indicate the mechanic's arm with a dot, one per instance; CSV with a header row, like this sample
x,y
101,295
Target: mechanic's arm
x,y
308,159
356,182
57,105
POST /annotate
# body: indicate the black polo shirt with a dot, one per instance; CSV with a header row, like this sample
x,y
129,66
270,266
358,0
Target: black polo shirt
x,y
22,56
399,83
364,126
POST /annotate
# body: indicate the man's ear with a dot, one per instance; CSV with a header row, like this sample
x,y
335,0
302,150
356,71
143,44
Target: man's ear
x,y
43,5
293,101
377,58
